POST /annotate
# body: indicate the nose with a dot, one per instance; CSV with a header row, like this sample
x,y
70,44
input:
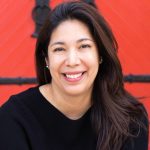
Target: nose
x,y
73,58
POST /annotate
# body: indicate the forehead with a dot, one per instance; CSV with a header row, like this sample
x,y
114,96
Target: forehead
x,y
70,30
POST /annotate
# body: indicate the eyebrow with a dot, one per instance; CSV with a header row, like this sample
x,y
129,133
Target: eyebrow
x,y
84,39
78,41
57,43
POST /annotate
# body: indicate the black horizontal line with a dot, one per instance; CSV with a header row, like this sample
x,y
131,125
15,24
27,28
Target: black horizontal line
x,y
17,80
26,80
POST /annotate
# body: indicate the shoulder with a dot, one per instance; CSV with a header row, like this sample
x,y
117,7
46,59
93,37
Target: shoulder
x,y
16,106
10,129
20,99
12,105
19,106
14,117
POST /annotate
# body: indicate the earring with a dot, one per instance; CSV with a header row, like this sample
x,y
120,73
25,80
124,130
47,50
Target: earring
x,y
101,60
47,66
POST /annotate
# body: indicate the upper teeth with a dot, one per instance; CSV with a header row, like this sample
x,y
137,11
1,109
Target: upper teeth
x,y
72,76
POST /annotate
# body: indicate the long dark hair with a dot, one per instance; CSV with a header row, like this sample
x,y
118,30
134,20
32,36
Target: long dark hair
x,y
113,109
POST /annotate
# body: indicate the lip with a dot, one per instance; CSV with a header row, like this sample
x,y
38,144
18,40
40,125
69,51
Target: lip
x,y
74,72
73,80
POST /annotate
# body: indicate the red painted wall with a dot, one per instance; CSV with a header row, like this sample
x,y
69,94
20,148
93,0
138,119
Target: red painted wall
x,y
130,22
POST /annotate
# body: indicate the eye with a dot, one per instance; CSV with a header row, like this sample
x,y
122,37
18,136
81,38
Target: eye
x,y
85,46
59,49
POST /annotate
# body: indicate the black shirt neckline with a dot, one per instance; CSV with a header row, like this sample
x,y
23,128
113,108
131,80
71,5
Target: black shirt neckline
x,y
50,107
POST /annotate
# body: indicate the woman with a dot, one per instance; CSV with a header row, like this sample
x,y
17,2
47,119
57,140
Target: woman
x,y
80,103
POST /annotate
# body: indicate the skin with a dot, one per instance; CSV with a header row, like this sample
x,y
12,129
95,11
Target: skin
x,y
73,64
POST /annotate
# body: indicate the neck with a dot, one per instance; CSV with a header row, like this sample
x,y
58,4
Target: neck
x,y
72,106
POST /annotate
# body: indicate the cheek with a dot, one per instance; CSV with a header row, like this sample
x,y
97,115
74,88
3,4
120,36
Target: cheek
x,y
55,62
91,58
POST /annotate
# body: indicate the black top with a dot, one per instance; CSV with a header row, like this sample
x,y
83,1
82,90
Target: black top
x,y
29,122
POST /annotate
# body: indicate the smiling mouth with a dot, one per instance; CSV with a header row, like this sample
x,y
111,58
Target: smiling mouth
x,y
73,76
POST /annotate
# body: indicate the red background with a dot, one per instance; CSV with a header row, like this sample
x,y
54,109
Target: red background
x,y
130,22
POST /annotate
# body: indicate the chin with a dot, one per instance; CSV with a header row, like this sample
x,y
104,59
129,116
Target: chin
x,y
76,91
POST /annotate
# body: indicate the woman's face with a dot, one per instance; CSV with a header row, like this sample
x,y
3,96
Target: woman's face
x,y
72,58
